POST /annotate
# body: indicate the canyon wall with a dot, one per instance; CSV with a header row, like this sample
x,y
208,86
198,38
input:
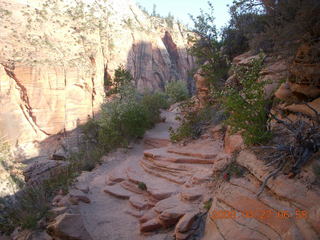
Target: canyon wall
x,y
55,58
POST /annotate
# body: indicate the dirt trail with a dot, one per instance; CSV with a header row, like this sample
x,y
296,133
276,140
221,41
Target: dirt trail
x,y
105,217
175,179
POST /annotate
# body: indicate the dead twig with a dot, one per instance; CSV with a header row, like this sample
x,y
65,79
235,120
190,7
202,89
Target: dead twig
x,y
296,152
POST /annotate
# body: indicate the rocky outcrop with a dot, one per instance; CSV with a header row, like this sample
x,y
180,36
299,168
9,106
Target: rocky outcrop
x,y
42,170
303,79
54,63
288,209
202,87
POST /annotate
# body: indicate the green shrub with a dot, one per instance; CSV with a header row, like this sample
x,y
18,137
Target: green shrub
x,y
246,104
206,47
122,82
153,102
177,91
142,186
33,202
194,122
125,118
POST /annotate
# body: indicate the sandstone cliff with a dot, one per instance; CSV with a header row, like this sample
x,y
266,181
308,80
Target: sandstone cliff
x,y
55,58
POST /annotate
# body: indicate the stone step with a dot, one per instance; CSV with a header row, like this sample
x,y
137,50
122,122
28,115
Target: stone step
x,y
174,169
118,191
157,187
134,212
162,154
141,202
132,187
204,149
154,170
150,143
180,168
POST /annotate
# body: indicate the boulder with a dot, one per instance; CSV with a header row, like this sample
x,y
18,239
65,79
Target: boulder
x,y
185,223
309,91
40,171
232,142
202,87
151,225
69,226
150,214
284,92
302,108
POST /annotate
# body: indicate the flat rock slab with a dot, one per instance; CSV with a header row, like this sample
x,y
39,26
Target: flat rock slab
x,y
206,149
132,187
192,194
168,203
139,202
185,223
164,154
118,191
151,225
150,143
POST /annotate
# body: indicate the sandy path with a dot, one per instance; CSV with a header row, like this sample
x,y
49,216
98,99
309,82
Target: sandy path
x,y
104,217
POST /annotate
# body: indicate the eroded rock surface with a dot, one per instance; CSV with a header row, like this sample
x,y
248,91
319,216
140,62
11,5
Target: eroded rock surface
x,y
49,91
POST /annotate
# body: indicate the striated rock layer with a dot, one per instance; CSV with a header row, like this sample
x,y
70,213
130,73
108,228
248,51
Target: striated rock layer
x,y
55,59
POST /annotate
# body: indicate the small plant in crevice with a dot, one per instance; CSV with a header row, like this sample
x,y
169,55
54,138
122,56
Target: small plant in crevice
x,y
142,186
207,204
233,170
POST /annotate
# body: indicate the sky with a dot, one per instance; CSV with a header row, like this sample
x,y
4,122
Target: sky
x,y
180,9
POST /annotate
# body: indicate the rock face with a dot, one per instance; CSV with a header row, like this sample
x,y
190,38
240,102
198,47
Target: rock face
x,y
288,209
54,62
303,79
202,87
43,170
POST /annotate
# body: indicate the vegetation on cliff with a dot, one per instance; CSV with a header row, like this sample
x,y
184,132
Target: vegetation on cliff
x,y
277,29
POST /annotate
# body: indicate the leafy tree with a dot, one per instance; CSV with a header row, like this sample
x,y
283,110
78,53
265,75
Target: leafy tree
x,y
177,91
282,25
246,104
122,81
206,47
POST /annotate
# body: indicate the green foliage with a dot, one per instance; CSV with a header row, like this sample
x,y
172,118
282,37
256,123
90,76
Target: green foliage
x,y
246,104
194,122
122,78
26,210
206,48
8,164
142,186
233,170
153,102
242,28
207,204
33,202
276,26
177,91
126,117
169,20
